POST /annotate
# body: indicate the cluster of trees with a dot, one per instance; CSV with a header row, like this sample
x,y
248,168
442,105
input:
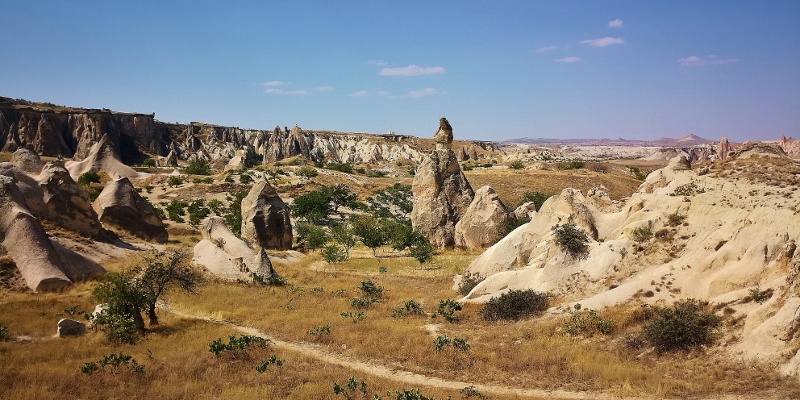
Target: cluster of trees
x,y
382,220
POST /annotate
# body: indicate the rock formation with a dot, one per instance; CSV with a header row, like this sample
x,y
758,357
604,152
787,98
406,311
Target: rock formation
x,y
27,161
226,256
525,210
43,264
484,221
239,161
444,135
790,146
119,205
706,241
65,202
723,148
70,327
101,157
266,218
441,193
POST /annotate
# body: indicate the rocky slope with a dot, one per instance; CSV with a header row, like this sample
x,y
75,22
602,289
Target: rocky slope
x,y
712,233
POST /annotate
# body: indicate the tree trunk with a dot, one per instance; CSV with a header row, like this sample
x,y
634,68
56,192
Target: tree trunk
x,y
151,314
138,321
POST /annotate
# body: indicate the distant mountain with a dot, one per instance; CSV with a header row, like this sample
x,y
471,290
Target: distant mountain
x,y
688,140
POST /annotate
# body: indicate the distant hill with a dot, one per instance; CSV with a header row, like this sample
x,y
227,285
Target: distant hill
x,y
688,140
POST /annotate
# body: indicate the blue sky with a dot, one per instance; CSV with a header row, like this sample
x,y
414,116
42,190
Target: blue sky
x,y
495,69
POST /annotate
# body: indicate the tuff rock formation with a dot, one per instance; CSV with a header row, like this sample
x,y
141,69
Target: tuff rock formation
x,y
790,146
444,135
708,242
723,148
43,264
70,327
226,256
525,210
239,161
266,218
27,161
442,193
483,222
102,156
65,202
120,206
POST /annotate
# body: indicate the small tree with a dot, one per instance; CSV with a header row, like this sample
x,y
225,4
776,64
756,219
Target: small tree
x,y
572,240
342,234
333,254
395,202
340,195
161,272
314,206
367,229
89,177
420,248
197,166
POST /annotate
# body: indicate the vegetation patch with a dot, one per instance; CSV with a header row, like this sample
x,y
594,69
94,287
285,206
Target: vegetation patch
x,y
515,305
686,324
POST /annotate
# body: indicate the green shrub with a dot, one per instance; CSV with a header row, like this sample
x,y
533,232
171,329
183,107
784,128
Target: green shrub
x,y
586,321
244,179
114,361
341,167
175,209
273,360
174,181
149,162
319,331
637,173
197,166
3,333
537,198
686,324
237,345
197,211
675,219
687,189
363,302
642,233
468,282
447,309
369,288
570,165
513,222
207,180
307,172
516,165
88,177
572,240
410,307
515,305
276,280
759,296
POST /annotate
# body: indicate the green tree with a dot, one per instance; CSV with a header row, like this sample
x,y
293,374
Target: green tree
x,y
161,272
314,206
340,195
420,248
312,235
89,177
234,215
537,198
307,172
342,235
197,166
333,254
395,201
572,240
367,229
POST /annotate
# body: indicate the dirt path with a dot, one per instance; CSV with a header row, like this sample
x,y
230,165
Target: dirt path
x,y
397,375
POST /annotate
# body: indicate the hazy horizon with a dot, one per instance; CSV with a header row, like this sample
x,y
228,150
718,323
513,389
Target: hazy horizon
x,y
497,71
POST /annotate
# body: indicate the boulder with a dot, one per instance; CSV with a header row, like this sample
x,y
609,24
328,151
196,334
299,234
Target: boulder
x,y
226,256
525,210
26,160
120,205
484,221
266,218
70,327
444,135
442,195
65,202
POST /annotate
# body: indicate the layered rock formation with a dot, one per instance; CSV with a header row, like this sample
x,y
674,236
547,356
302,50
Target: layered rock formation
x,y
119,205
483,222
266,218
442,193
43,264
226,256
706,241
790,146
723,148
65,202
102,156
444,135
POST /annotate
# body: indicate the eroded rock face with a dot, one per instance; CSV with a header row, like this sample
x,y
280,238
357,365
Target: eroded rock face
x,y
484,221
120,206
239,161
102,156
65,202
266,218
723,148
442,195
525,210
226,256
444,135
28,161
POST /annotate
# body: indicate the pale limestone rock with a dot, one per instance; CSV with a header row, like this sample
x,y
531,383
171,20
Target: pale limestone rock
x,y
483,222
266,218
723,148
525,210
226,256
444,135
120,205
65,202
27,160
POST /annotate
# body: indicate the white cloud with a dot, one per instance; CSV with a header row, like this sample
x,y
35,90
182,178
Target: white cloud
x,y
411,70
603,42
423,92
617,23
546,48
360,93
281,91
695,61
324,89
568,59
378,62
275,83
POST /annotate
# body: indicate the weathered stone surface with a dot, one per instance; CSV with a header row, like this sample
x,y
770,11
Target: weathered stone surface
x,y
27,160
239,161
444,135
266,218
525,210
226,256
758,149
120,205
171,160
442,195
723,148
483,222
102,156
65,202
790,146
70,327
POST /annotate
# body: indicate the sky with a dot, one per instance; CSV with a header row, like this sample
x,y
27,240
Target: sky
x,y
495,69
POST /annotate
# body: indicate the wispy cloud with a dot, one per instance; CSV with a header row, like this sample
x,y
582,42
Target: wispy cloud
x,y
281,91
695,61
360,93
603,42
275,83
423,92
568,59
546,48
379,63
617,23
411,70
324,89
